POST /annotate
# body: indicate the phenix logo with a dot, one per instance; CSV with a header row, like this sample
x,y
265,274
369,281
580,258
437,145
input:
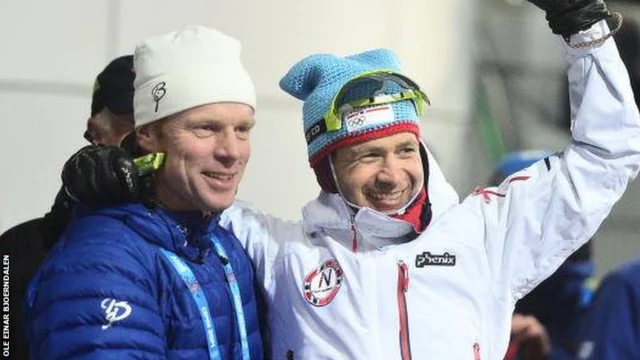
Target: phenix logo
x,y
427,258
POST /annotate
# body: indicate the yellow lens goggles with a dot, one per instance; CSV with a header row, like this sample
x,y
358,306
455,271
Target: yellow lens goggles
x,y
333,119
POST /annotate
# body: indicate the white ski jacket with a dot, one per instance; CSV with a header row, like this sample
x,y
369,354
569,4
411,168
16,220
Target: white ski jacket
x,y
448,294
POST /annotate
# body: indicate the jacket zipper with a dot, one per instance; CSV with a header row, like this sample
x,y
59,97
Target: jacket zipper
x,y
403,287
476,352
354,243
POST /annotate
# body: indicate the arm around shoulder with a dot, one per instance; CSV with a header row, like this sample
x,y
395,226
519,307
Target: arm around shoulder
x,y
262,235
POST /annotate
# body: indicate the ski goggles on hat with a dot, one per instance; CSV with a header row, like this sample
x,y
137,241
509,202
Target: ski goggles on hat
x,y
333,120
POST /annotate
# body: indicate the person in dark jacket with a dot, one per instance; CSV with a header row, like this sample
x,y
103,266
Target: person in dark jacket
x,y
160,279
27,244
611,328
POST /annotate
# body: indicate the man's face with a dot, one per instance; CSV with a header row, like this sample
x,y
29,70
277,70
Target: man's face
x,y
207,150
382,174
107,128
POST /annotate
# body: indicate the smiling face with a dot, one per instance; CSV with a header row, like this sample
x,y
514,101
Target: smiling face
x,y
382,174
207,150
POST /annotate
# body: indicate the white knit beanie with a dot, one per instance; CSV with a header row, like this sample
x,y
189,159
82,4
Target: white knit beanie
x,y
185,69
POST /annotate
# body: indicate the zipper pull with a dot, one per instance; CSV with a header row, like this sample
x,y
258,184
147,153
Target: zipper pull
x,y
476,351
404,273
354,243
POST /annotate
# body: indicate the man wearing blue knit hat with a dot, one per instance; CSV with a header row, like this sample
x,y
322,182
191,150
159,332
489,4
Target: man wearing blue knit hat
x,y
387,263
358,99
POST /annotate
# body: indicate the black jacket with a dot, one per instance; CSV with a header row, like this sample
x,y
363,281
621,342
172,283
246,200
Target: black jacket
x,y
27,245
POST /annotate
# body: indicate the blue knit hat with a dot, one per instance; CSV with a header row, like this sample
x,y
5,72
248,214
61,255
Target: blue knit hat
x,y
515,161
320,79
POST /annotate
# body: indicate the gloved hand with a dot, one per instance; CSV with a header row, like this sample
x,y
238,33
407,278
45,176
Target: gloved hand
x,y
101,176
568,17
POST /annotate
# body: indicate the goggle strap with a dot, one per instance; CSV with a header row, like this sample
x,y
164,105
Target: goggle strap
x,y
333,121
320,126
385,99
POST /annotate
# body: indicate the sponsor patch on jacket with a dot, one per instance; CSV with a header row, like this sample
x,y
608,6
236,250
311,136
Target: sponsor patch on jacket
x,y
114,310
323,283
429,259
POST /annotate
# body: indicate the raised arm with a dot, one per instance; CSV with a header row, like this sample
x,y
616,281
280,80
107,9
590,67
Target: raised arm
x,y
537,217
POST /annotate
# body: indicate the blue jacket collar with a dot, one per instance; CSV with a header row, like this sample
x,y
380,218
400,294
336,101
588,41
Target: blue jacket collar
x,y
187,233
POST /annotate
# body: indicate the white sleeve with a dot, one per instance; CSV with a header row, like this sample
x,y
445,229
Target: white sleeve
x,y
262,236
537,217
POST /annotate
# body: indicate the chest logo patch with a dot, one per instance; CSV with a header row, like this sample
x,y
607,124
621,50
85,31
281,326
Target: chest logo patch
x,y
429,259
323,283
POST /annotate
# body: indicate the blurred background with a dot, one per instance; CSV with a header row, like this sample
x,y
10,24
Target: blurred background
x,y
492,69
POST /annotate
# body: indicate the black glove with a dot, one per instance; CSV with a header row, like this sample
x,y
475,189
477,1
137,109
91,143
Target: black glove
x,y
568,17
101,176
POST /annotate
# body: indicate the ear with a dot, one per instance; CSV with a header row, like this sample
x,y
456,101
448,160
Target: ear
x,y
92,127
147,137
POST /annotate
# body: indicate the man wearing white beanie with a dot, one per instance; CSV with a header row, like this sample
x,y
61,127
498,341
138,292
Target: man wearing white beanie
x,y
186,69
163,280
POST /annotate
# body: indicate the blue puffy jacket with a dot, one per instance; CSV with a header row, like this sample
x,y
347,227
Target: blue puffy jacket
x,y
108,291
611,328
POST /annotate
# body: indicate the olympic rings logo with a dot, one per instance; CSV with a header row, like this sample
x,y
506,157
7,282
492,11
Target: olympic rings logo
x,y
357,121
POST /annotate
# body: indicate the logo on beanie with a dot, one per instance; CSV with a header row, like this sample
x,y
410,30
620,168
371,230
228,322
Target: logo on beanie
x,y
374,115
158,92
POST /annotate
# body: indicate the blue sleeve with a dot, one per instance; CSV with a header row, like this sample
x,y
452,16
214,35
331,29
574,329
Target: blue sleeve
x,y
93,299
611,329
